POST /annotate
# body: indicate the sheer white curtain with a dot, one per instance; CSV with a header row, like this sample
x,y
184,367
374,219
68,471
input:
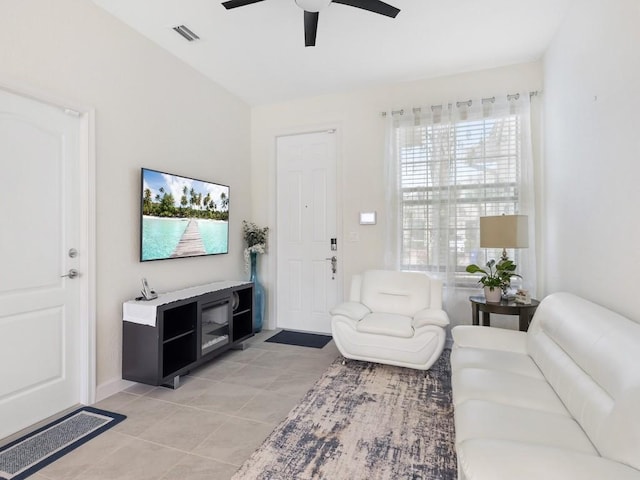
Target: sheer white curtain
x,y
447,165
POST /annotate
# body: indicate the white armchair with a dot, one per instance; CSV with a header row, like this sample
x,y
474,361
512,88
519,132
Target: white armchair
x,y
391,317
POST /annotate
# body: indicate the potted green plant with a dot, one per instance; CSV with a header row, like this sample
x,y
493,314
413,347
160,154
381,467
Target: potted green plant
x,y
496,279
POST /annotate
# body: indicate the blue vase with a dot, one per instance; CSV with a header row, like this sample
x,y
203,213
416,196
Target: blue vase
x,y
258,295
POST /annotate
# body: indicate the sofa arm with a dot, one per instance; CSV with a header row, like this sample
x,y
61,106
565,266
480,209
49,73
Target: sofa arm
x,y
507,460
353,310
475,336
430,316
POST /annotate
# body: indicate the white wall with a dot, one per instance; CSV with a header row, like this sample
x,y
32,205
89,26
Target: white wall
x,y
592,166
151,110
361,130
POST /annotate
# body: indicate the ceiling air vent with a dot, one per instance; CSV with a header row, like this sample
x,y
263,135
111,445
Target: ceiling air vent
x,y
186,33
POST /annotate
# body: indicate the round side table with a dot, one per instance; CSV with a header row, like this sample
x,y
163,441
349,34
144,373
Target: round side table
x,y
505,307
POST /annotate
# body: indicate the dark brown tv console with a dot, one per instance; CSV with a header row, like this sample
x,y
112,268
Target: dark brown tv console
x,y
167,337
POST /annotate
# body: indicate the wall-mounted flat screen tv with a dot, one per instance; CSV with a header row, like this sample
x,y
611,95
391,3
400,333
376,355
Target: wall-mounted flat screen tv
x,y
182,217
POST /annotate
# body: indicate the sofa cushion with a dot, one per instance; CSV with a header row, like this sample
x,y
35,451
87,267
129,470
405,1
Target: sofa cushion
x,y
482,419
506,388
490,459
498,360
386,324
490,338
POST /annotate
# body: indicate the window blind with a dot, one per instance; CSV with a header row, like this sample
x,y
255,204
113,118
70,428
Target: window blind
x,y
450,174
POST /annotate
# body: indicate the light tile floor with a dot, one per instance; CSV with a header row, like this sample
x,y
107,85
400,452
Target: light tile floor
x,y
207,427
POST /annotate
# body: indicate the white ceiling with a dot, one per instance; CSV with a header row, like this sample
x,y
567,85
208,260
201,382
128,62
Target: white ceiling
x,y
257,51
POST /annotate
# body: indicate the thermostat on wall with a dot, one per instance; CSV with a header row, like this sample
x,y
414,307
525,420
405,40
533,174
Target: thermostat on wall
x,y
367,218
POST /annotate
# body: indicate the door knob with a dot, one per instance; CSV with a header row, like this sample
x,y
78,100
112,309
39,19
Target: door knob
x,y
334,266
73,273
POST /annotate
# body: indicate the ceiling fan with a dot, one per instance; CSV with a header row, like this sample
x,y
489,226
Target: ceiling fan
x,y
312,10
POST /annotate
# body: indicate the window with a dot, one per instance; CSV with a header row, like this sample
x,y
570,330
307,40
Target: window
x,y
449,173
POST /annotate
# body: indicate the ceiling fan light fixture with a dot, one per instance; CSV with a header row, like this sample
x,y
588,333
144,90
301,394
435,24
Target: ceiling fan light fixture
x,y
313,5
312,10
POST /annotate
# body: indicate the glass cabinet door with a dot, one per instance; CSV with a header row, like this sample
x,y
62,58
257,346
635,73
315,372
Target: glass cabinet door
x,y
215,326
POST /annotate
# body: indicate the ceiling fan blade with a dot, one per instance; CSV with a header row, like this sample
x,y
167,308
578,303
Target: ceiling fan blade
x,y
238,3
375,6
310,28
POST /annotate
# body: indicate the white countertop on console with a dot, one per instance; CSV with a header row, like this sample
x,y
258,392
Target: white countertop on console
x,y
144,311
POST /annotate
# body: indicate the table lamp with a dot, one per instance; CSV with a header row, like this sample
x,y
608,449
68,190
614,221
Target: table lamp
x,y
504,231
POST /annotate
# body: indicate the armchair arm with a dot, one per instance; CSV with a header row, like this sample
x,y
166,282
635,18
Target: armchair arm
x,y
430,316
353,310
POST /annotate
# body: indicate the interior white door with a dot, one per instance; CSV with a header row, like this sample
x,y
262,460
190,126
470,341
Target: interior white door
x,y
306,285
39,306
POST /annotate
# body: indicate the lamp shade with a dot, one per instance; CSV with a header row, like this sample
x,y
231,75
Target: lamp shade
x,y
504,231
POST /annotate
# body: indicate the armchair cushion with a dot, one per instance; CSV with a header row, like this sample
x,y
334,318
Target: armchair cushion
x,y
386,324
353,310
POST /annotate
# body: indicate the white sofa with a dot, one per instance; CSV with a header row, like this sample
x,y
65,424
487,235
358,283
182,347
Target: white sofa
x,y
561,401
391,317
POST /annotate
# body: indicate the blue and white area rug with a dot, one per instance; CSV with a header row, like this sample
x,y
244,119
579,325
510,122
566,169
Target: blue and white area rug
x,y
364,421
27,455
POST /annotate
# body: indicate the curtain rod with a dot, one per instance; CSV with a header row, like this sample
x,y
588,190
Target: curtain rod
x,y
416,110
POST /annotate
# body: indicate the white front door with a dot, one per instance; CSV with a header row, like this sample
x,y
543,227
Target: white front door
x,y
40,341
306,286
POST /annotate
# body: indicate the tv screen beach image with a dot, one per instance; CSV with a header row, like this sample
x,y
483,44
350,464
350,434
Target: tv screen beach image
x,y
182,217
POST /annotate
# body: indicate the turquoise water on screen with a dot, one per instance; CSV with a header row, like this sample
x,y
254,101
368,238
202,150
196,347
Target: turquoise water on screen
x,y
160,236
215,234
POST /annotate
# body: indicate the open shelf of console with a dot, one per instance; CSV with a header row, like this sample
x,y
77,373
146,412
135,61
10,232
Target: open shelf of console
x,y
167,337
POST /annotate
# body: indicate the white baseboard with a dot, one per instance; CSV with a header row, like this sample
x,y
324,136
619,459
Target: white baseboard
x,y
112,387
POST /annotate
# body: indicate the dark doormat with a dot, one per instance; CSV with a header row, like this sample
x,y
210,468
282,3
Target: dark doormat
x,y
27,455
301,339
